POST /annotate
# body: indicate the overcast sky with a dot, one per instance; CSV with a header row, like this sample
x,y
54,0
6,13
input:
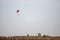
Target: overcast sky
x,y
38,16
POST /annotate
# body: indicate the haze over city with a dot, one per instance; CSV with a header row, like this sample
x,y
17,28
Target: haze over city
x,y
38,16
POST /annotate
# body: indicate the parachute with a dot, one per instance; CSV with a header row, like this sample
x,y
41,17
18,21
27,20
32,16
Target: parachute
x,y
19,12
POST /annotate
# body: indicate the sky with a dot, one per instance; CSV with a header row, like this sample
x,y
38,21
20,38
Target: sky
x,y
38,16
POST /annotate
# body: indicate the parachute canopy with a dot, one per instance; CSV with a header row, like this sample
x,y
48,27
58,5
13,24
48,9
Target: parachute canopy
x,y
18,11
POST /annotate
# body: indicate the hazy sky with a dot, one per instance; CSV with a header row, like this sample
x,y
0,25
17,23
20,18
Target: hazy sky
x,y
38,16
